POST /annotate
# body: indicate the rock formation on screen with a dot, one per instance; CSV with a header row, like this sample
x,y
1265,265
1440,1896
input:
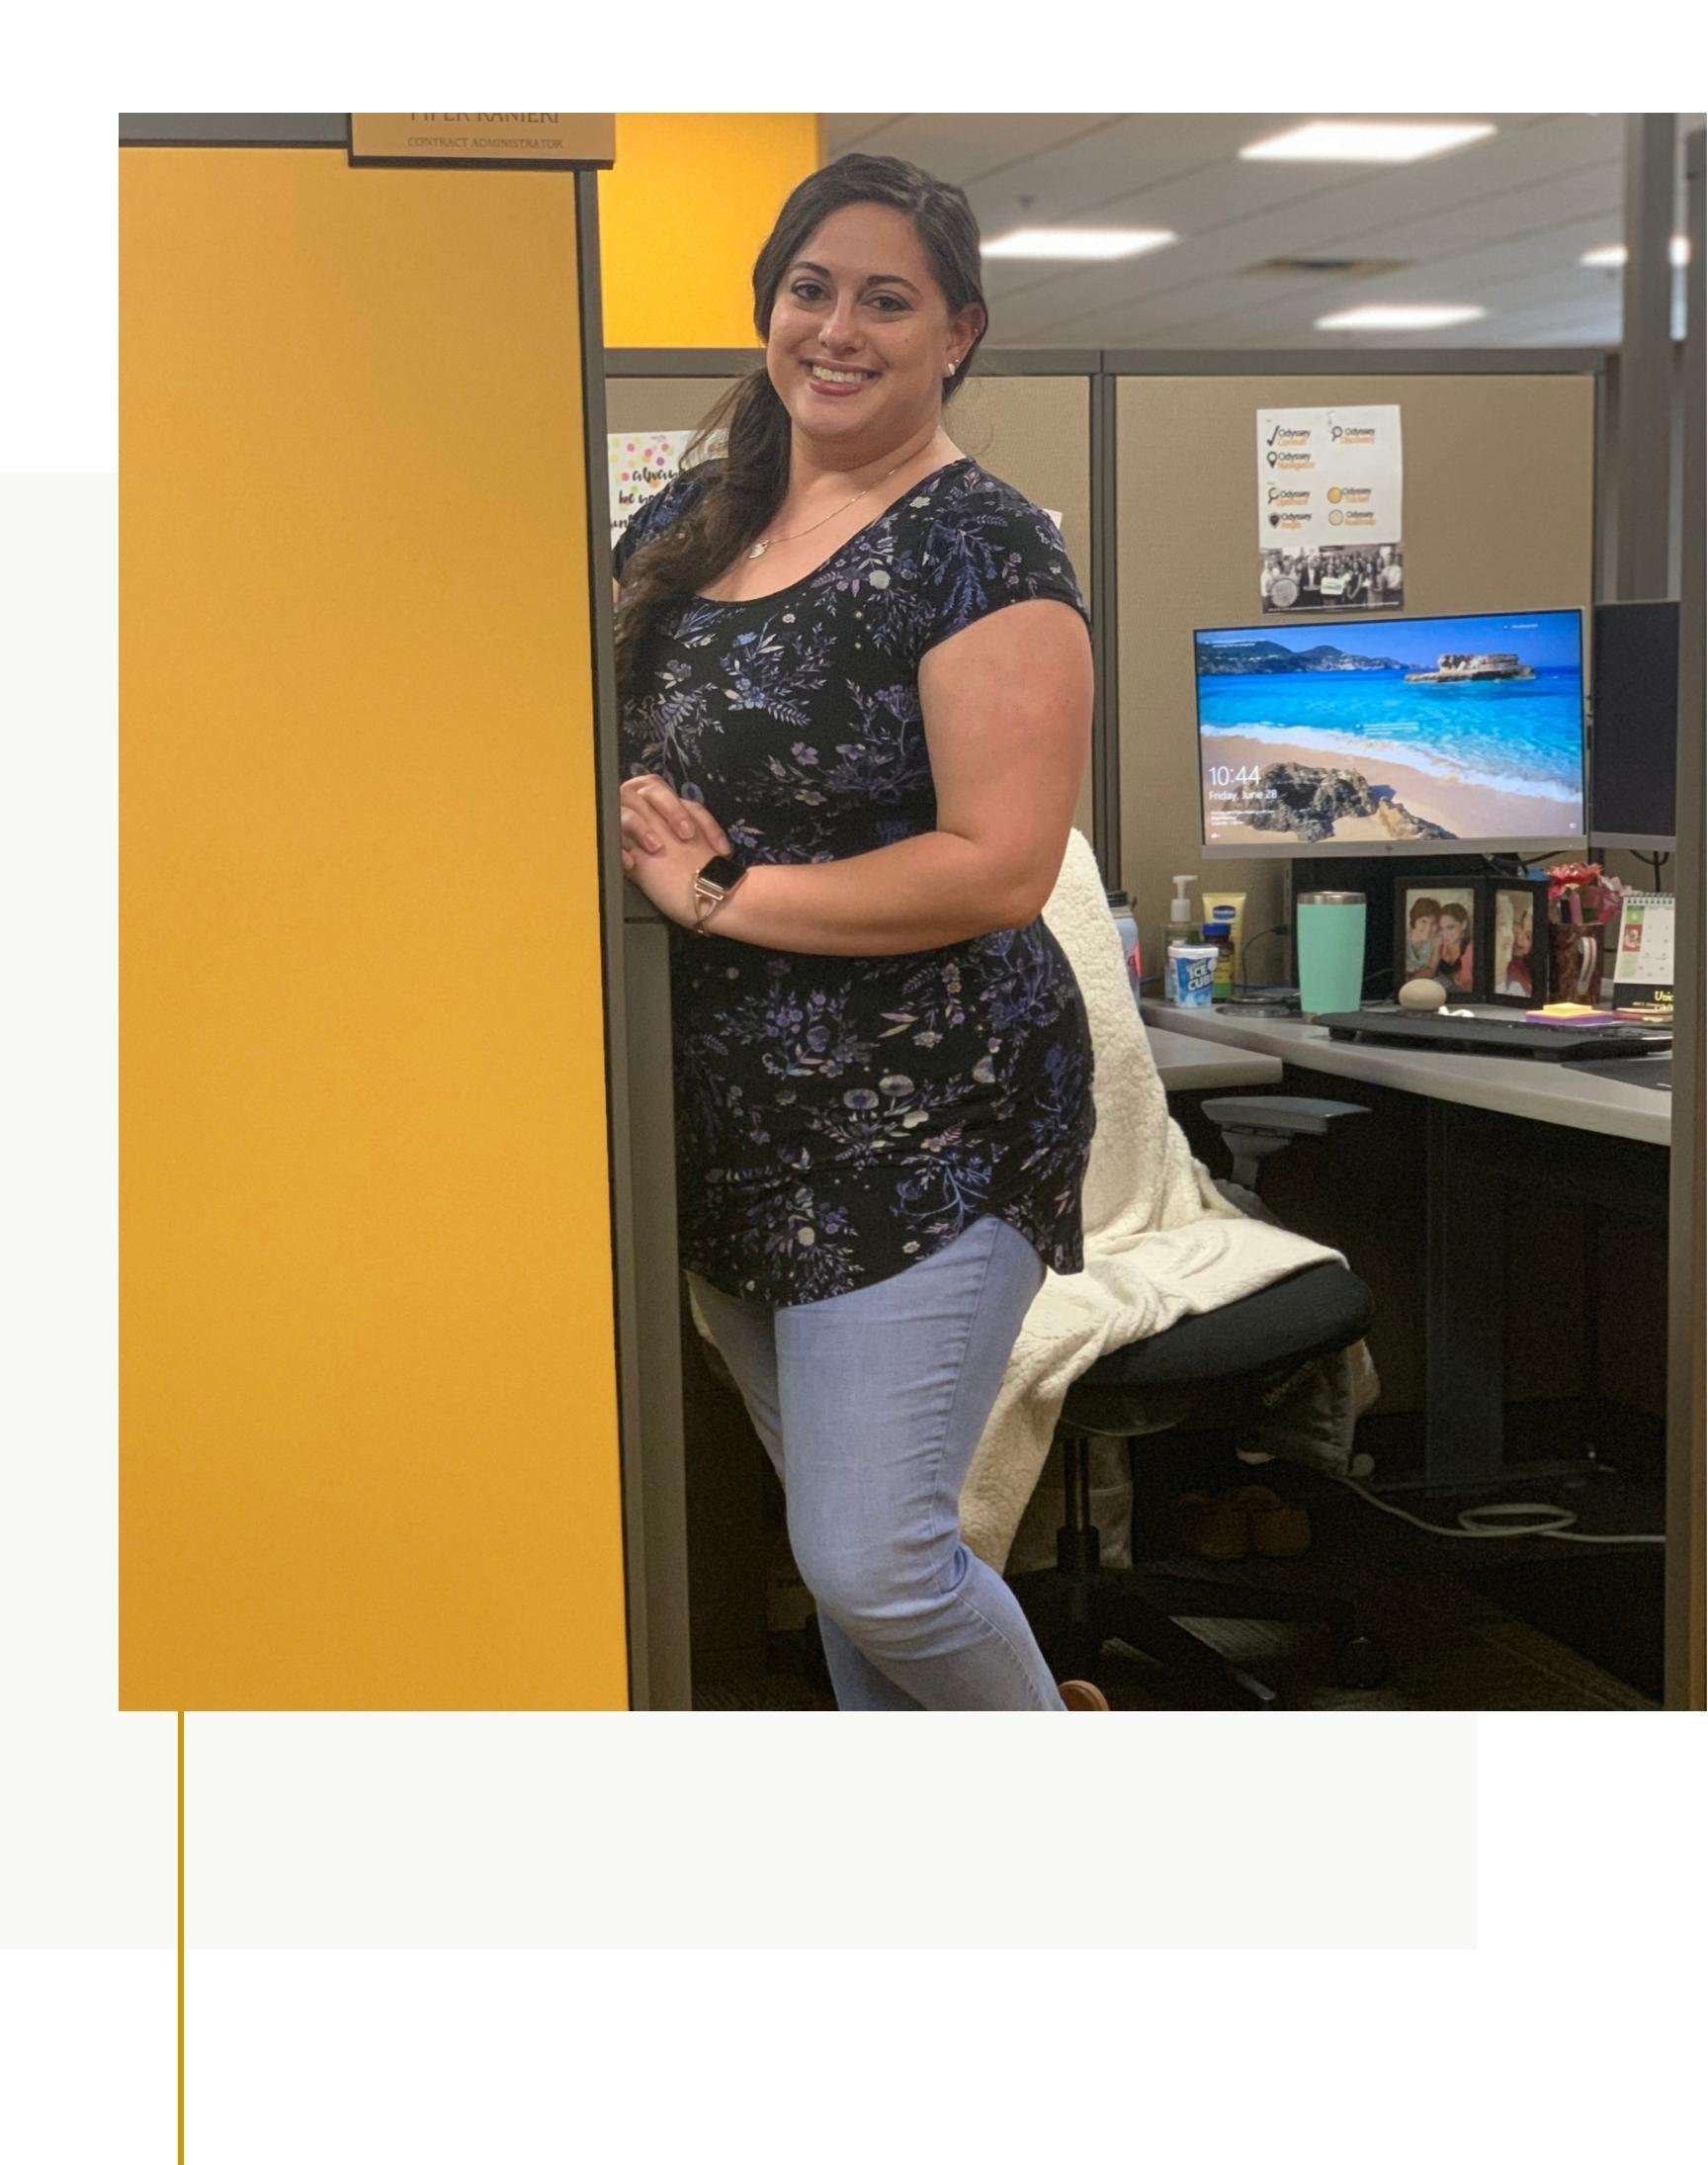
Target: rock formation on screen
x,y
1308,801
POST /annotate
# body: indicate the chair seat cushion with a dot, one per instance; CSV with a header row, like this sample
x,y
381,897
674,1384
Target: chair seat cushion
x,y
1316,1312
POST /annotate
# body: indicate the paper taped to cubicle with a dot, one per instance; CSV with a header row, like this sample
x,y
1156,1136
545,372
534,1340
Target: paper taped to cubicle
x,y
1329,488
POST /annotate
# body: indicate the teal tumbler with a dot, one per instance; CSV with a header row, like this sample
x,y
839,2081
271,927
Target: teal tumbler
x,y
1328,931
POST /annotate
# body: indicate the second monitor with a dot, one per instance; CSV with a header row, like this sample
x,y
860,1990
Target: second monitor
x,y
1412,735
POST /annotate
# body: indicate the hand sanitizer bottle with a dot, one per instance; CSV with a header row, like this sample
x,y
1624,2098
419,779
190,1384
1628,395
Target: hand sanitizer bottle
x,y
1180,927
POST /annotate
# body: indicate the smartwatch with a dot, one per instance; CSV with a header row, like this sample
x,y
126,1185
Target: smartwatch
x,y
714,882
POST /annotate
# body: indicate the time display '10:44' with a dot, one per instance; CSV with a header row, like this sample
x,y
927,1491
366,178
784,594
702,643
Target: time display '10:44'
x,y
1221,777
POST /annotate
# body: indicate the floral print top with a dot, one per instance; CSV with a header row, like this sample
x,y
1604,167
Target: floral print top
x,y
841,1117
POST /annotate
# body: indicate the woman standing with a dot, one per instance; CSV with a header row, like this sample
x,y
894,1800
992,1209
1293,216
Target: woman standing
x,y
856,702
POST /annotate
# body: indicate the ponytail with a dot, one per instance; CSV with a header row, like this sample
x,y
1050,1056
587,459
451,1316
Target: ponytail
x,y
737,497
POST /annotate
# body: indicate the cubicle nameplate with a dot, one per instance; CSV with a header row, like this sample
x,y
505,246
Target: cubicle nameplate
x,y
526,140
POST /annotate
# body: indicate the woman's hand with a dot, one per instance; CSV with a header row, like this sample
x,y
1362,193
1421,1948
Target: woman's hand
x,y
665,840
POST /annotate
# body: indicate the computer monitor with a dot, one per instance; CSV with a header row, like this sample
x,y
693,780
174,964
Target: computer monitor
x,y
1634,742
1408,736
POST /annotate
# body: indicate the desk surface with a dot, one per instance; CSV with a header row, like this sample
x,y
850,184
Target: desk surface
x,y
1532,1090
1195,1064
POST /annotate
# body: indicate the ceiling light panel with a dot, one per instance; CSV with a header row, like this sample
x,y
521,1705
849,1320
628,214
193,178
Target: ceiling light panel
x,y
1370,142
1399,317
1075,243
1613,258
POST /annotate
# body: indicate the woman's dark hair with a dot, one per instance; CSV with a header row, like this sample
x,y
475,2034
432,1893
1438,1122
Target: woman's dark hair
x,y
739,492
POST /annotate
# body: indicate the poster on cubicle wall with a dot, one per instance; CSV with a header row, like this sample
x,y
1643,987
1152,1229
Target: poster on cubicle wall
x,y
1329,509
641,462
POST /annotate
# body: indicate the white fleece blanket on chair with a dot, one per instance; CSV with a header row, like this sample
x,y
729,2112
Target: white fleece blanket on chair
x,y
1160,1242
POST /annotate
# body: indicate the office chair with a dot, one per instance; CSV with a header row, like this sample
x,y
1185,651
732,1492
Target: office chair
x,y
1207,1372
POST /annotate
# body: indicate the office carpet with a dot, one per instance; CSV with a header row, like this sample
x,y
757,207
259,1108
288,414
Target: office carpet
x,y
1452,1646
1605,1607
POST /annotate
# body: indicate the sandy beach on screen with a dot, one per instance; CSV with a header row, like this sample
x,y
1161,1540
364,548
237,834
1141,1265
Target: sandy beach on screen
x,y
1464,809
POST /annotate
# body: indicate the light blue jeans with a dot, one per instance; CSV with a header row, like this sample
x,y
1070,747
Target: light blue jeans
x,y
871,1405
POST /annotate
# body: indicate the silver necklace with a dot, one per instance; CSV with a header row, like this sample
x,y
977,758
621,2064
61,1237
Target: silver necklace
x,y
759,547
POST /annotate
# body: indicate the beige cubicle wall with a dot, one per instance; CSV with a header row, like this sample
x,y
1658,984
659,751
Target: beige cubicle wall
x,y
1500,484
661,402
1034,431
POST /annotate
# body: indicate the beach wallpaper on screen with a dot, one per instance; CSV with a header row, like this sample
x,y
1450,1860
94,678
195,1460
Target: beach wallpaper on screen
x,y
1429,729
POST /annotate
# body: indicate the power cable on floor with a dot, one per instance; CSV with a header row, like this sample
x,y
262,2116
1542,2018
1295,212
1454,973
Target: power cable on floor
x,y
1548,1522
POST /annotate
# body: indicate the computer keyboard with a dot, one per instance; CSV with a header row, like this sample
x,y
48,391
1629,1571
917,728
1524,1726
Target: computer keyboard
x,y
1517,1039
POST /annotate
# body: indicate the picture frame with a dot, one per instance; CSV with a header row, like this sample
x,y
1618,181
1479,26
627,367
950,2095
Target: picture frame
x,y
1441,931
1515,943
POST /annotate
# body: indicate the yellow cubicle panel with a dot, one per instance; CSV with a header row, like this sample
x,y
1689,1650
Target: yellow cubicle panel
x,y
683,213
368,1398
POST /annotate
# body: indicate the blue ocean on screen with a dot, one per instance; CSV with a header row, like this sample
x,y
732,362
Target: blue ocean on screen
x,y
1492,701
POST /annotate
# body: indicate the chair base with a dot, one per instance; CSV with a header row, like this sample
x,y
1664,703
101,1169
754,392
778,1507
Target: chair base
x,y
1075,1613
